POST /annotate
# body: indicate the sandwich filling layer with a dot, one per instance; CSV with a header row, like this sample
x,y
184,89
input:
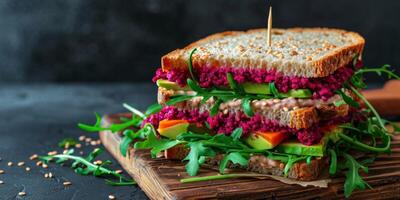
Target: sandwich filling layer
x,y
226,123
210,76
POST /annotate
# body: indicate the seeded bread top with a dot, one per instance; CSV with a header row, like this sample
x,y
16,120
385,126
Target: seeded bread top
x,y
305,52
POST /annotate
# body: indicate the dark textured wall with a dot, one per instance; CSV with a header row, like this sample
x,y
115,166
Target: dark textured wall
x,y
123,40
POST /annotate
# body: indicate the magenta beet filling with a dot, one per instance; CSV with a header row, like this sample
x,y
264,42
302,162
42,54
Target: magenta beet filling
x,y
209,76
225,124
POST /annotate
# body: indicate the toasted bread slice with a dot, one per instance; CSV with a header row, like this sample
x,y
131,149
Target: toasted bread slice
x,y
290,112
305,52
261,164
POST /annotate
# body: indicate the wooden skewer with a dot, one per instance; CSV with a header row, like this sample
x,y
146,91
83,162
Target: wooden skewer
x,y
269,26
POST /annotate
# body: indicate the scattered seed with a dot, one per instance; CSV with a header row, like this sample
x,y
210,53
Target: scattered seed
x,y
33,157
52,153
98,162
1,171
50,175
45,166
9,163
27,169
21,193
98,142
46,175
1,182
78,145
88,139
66,183
118,171
111,197
93,143
65,151
82,137
38,163
21,164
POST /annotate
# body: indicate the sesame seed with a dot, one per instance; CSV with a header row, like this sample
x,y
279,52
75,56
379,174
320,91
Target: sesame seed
x,y
21,193
38,163
27,169
33,157
93,143
81,138
78,145
52,153
111,197
88,139
118,171
9,163
1,182
45,166
98,142
1,171
65,151
50,175
66,183
21,164
46,175
98,162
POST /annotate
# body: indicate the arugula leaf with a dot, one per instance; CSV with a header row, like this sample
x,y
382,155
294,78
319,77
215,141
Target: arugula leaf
x,y
357,81
273,90
194,86
333,162
84,166
353,178
214,109
67,142
126,141
379,71
197,149
190,65
347,99
246,104
233,84
113,127
237,133
155,108
166,144
292,159
235,158
177,99
134,110
339,103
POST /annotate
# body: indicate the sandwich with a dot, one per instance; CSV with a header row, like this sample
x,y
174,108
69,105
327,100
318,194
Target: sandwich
x,y
292,109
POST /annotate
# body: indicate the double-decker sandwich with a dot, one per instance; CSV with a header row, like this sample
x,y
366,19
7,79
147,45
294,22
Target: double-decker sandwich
x,y
291,109
285,98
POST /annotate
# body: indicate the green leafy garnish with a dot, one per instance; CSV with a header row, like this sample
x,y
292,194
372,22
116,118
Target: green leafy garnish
x,y
190,65
237,133
84,166
195,157
384,69
353,178
67,142
247,107
273,90
348,99
235,158
133,122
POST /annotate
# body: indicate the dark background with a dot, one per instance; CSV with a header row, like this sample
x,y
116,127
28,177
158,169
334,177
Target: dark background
x,y
110,40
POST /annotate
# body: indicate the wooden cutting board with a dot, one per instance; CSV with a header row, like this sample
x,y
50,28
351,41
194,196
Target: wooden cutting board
x,y
160,178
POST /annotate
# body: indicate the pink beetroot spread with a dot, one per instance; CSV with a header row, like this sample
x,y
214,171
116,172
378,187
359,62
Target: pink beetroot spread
x,y
225,124
209,76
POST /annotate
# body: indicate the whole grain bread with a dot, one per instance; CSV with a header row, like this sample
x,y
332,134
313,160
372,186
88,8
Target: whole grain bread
x,y
305,52
293,113
261,164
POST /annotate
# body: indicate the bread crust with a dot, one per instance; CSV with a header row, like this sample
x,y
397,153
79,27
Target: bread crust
x,y
320,67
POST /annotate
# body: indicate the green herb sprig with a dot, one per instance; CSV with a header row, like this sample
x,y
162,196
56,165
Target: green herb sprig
x,y
84,166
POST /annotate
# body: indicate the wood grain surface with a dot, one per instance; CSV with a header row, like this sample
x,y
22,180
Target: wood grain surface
x,y
160,178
